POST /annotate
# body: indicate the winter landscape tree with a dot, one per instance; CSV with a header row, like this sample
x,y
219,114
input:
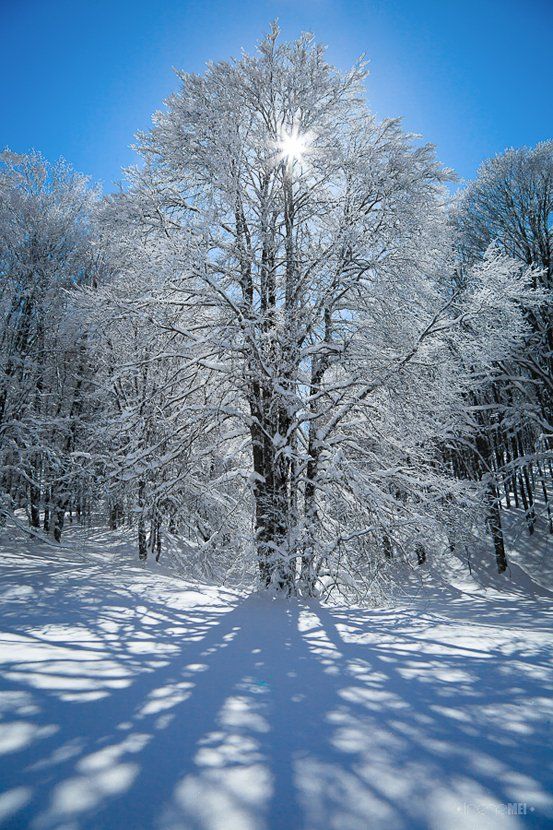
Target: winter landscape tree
x,y
303,250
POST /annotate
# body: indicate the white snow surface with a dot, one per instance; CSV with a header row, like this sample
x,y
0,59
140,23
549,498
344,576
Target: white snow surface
x,y
133,699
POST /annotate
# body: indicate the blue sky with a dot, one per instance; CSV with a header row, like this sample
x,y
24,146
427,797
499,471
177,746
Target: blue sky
x,y
79,77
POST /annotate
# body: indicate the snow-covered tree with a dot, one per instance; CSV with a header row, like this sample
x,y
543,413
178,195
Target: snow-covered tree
x,y
161,437
302,248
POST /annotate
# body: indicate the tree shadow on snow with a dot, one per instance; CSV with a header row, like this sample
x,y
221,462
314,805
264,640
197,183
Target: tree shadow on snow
x,y
273,714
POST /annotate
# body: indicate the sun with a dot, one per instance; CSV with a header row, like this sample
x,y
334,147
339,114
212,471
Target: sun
x,y
294,145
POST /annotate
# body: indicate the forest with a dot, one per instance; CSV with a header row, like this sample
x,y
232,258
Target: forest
x,y
290,350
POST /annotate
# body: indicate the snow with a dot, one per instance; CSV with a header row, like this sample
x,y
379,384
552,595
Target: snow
x,y
132,699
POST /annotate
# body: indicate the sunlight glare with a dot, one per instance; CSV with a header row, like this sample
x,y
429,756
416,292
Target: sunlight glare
x,y
294,146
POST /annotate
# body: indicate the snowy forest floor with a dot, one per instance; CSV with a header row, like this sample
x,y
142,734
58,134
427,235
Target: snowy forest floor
x,y
132,699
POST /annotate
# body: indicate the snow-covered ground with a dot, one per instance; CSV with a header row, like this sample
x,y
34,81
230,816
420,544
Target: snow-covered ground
x,y
132,699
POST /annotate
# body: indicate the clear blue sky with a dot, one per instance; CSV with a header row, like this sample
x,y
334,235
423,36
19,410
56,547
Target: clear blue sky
x,y
79,77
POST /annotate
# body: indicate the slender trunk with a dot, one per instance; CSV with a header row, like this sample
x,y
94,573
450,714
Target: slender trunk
x,y
420,550
58,518
308,574
494,520
113,517
47,510
526,504
308,571
545,497
34,504
158,540
531,514
142,546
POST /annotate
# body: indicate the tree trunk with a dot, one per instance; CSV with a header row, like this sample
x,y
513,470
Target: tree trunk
x,y
58,519
420,550
34,504
494,520
142,545
311,517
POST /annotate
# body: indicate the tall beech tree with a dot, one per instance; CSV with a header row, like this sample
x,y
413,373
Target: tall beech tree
x,y
303,248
